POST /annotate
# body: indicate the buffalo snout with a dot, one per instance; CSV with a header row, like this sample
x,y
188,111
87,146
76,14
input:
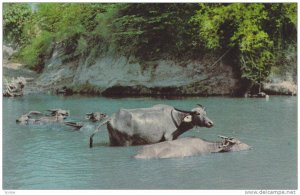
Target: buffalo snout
x,y
209,124
22,120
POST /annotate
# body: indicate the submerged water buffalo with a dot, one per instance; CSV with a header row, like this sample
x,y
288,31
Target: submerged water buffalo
x,y
58,111
92,116
57,115
95,116
49,119
27,118
152,125
190,146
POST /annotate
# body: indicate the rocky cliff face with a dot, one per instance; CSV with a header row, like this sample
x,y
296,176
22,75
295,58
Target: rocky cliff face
x,y
283,79
115,75
12,70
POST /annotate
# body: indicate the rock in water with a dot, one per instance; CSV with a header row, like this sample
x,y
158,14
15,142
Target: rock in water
x,y
15,87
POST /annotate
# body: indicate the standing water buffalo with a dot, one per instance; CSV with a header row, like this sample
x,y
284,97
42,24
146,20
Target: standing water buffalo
x,y
190,146
152,125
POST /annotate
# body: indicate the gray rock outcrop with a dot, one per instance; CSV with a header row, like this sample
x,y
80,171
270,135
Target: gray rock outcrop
x,y
119,75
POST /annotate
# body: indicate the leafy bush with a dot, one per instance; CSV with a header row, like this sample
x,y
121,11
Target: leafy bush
x,y
152,30
253,29
34,54
15,17
256,34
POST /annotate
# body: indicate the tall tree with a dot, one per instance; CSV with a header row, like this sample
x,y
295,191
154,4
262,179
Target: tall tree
x,y
253,29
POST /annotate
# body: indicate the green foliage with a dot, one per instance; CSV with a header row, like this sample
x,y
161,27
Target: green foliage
x,y
15,17
152,30
252,28
34,54
75,27
255,33
79,27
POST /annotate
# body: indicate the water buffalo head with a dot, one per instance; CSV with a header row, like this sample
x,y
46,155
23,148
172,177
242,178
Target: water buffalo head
x,y
95,116
26,117
59,112
23,119
198,117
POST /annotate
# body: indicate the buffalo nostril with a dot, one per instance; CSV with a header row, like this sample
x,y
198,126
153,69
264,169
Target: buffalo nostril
x,y
210,124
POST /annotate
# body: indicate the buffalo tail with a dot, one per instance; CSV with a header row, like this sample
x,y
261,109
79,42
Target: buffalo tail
x,y
96,131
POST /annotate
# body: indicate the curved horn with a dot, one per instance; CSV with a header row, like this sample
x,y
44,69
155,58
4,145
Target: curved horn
x,y
33,112
53,110
90,113
204,108
231,141
184,111
223,137
78,125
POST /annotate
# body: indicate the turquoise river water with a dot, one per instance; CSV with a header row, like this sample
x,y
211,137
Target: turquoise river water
x,y
58,157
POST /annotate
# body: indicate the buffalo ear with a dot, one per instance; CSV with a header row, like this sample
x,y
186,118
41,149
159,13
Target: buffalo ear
x,y
187,119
